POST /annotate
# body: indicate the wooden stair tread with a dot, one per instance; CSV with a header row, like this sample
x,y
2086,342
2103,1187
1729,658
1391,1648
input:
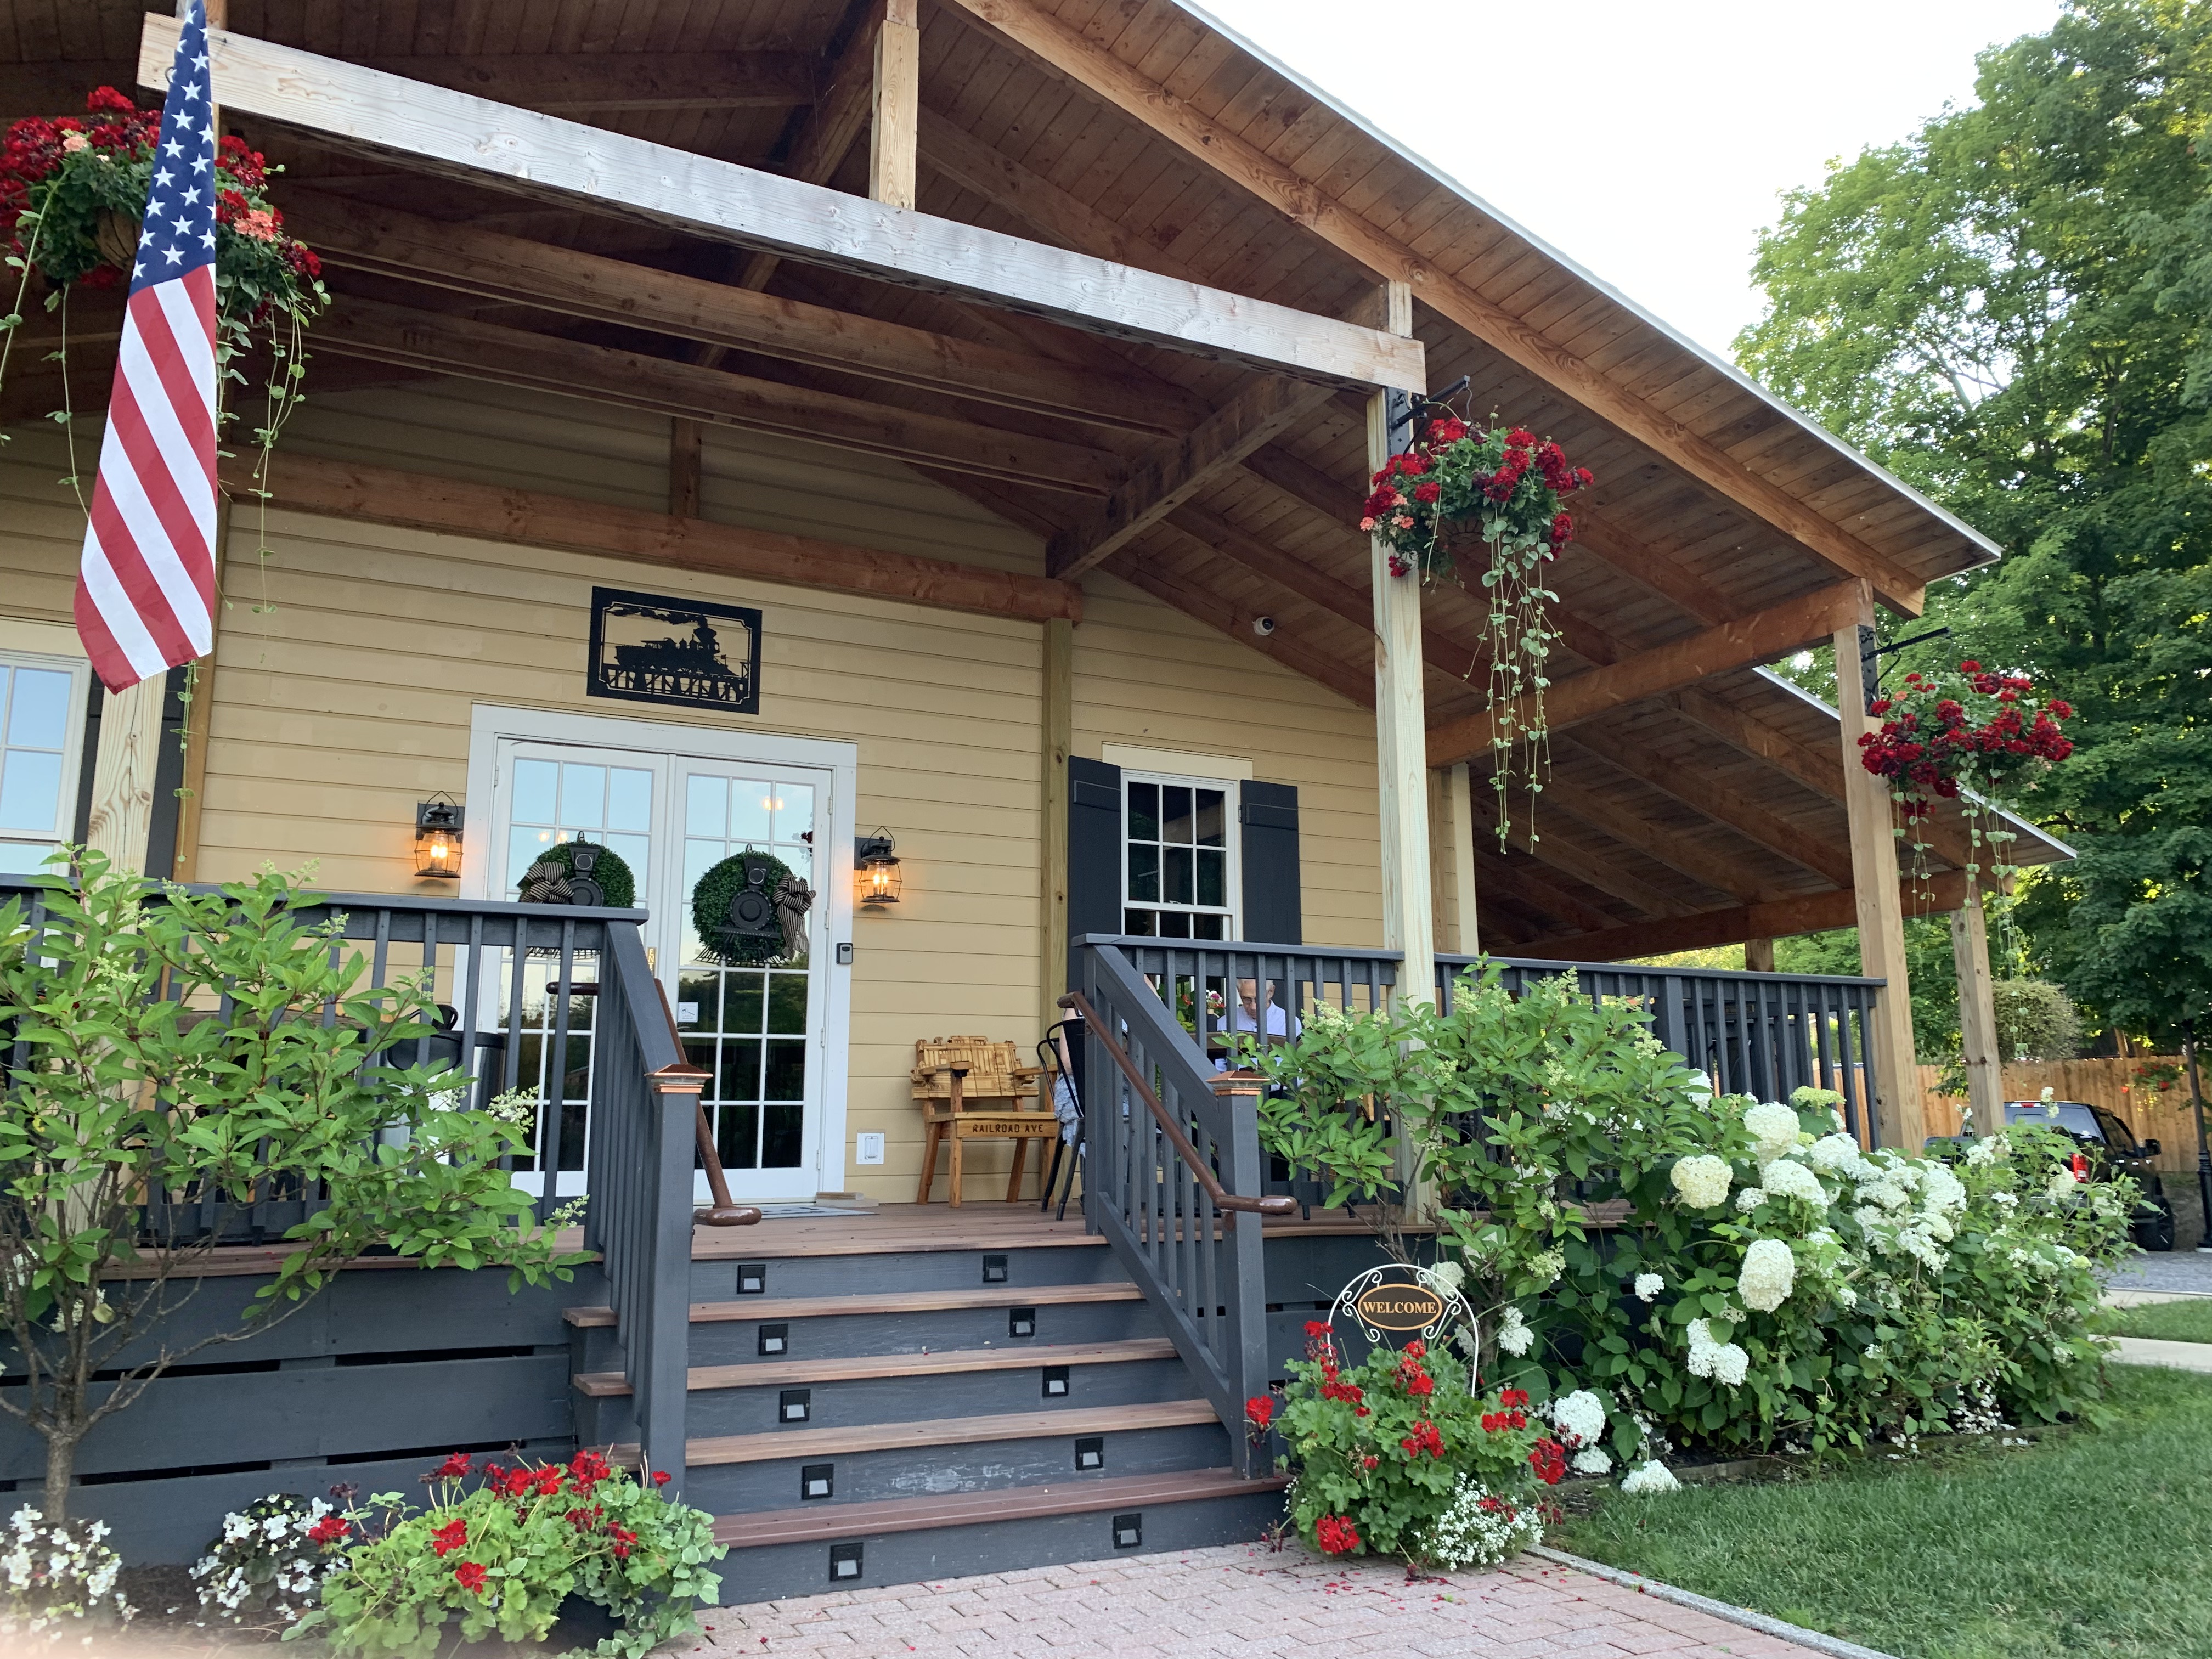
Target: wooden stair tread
x,y
821,1524
885,1302
784,1373
936,1431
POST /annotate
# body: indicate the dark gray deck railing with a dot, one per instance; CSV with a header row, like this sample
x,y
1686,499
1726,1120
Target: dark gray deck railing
x,y
1755,1034
559,1001
1174,1179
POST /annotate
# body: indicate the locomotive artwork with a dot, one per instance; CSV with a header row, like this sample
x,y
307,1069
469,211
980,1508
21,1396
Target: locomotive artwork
x,y
651,648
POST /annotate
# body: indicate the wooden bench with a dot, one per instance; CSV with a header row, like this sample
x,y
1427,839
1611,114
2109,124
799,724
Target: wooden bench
x,y
970,1088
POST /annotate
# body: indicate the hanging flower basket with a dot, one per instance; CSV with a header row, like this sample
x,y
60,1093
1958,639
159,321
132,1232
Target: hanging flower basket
x,y
749,911
1489,504
1973,736
71,190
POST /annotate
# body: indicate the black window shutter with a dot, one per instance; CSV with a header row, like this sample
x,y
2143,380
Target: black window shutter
x,y
1094,848
1269,813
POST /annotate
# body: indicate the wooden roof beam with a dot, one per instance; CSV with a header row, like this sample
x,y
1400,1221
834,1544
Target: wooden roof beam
x,y
1696,788
1757,638
467,260
543,362
1124,87
1261,410
1817,768
1523,879
455,135
1297,655
416,501
1706,865
1815,913
1591,869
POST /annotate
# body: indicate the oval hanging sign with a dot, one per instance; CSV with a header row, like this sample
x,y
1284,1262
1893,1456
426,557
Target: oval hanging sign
x,y
1397,1303
1408,1308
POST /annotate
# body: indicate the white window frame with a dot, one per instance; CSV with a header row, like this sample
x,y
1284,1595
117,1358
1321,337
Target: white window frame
x,y
1233,914
79,697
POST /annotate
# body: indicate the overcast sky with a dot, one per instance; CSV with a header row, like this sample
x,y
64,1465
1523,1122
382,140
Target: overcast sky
x,y
1647,142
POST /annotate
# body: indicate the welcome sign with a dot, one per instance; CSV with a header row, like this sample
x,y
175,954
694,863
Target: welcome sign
x,y
1397,1303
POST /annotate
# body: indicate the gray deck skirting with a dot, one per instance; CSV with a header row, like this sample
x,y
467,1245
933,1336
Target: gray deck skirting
x,y
1834,1645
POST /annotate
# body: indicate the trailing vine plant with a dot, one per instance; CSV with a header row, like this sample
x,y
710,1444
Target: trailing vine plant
x,y
1458,489
72,191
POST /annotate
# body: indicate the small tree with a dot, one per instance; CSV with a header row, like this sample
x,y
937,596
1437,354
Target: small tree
x,y
139,1095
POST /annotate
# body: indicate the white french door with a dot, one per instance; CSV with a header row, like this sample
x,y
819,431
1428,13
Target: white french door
x,y
771,1037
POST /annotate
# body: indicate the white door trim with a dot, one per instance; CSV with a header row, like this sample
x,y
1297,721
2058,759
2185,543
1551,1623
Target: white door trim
x,y
489,723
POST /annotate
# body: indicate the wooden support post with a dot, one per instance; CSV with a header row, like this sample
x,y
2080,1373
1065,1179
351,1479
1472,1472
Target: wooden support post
x,y
1978,1017
684,437
1759,955
1056,739
1451,864
1401,716
895,115
123,773
1880,911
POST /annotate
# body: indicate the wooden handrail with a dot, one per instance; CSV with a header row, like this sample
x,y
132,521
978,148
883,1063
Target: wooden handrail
x,y
1223,1199
724,1211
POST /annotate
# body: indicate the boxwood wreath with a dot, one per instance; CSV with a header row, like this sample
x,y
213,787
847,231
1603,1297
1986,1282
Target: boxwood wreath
x,y
711,919
552,879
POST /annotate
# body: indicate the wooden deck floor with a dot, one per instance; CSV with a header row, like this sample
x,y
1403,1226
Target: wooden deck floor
x,y
976,1226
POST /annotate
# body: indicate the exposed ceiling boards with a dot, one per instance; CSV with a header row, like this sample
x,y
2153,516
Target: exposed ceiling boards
x,y
1125,131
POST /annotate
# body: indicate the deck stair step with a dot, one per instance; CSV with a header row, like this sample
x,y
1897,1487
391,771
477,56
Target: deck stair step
x,y
821,1524
601,1385
888,1302
933,1432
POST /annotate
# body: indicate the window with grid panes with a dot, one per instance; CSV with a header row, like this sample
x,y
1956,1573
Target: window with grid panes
x,y
748,1026
1178,858
42,709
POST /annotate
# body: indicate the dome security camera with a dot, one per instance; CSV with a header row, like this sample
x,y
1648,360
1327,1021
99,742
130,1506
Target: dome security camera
x,y
1263,626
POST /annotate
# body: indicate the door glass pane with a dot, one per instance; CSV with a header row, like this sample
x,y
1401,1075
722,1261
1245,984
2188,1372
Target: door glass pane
x,y
751,812
583,795
629,800
782,1136
535,783
706,806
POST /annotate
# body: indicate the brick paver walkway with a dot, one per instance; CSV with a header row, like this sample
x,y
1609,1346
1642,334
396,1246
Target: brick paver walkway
x,y
1239,1602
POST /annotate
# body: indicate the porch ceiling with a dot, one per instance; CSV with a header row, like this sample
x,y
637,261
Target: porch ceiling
x,y
1714,503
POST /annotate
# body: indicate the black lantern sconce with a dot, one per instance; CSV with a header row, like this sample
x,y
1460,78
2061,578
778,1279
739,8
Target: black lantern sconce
x,y
438,837
876,869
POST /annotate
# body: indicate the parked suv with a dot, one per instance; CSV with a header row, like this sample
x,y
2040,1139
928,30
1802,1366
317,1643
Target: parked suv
x,y
2109,1148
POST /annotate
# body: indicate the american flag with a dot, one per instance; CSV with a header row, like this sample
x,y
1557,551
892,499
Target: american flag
x,y
145,591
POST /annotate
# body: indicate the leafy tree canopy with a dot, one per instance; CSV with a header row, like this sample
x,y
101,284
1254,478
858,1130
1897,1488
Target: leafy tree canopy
x,y
2008,310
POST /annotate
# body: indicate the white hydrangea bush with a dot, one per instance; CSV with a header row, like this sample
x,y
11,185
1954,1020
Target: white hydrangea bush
x,y
267,1565
59,1580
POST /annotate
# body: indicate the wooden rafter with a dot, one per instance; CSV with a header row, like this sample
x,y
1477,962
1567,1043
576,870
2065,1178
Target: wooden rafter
x,y
1757,638
1704,864
1525,880
531,519
1696,788
1593,870
1815,912
1127,88
1236,622
511,357
451,134
1156,487
389,243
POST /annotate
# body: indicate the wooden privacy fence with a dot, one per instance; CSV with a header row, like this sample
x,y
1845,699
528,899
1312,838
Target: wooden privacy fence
x,y
2164,1116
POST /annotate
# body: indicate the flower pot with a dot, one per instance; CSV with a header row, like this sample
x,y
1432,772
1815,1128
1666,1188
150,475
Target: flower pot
x,y
117,238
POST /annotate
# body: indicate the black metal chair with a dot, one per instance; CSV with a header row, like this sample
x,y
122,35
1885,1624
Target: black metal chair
x,y
1056,1056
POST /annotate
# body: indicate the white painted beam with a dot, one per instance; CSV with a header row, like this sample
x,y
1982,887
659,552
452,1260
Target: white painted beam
x,y
459,135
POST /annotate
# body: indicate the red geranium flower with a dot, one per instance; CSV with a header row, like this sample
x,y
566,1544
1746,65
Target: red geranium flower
x,y
469,1576
1259,1410
329,1529
444,1540
1336,1534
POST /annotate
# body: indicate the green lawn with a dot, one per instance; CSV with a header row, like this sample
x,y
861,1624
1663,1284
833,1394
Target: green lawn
x,y
2171,1321
2093,1542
